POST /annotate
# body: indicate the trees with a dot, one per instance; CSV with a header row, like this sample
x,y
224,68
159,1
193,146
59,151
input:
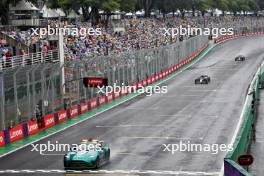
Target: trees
x,y
202,5
164,6
90,8
109,6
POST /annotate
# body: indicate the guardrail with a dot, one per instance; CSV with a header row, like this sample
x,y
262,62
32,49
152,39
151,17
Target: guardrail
x,y
30,59
243,136
36,125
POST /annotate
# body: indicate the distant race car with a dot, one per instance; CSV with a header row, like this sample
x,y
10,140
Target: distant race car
x,y
203,79
90,154
240,58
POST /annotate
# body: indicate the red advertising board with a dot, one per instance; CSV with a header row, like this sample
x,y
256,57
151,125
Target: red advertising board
x,y
109,97
2,138
93,103
144,83
84,107
140,85
133,88
160,75
149,80
74,111
117,94
101,100
124,91
95,81
16,133
32,127
153,78
62,116
48,121
157,77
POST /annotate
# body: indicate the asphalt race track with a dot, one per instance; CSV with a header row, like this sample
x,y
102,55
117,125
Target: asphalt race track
x,y
137,130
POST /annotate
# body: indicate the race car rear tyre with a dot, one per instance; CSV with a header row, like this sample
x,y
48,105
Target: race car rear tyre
x,y
97,163
108,154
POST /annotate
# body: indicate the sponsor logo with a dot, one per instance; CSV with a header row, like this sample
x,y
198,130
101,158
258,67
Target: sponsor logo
x,y
74,111
32,127
63,116
93,103
49,121
16,133
84,107
1,139
101,100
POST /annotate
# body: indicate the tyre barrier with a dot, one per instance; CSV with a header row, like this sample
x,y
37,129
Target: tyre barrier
x,y
32,127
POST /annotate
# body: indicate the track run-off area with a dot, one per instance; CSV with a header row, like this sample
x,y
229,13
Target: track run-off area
x,y
137,130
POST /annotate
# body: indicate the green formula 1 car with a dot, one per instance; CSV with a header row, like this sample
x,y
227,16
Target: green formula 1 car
x,y
90,154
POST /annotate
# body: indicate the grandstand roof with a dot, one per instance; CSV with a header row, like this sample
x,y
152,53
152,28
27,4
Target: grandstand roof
x,y
49,13
23,5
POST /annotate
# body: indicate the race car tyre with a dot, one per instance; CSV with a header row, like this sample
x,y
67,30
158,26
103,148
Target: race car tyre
x,y
97,163
205,82
108,154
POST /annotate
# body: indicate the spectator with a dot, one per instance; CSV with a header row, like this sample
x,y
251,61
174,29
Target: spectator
x,y
9,58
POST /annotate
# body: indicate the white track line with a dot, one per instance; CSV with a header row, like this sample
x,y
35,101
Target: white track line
x,y
160,137
127,126
160,172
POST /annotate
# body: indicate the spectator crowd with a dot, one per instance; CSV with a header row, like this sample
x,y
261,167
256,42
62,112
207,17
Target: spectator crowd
x,y
133,34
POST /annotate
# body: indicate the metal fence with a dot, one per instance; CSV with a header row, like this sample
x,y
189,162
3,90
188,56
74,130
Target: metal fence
x,y
29,59
29,89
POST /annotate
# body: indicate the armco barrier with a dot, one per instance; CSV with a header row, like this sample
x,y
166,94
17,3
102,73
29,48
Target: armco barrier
x,y
14,134
241,143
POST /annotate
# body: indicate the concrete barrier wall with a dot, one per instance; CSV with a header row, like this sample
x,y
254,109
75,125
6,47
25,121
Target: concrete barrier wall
x,y
243,137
